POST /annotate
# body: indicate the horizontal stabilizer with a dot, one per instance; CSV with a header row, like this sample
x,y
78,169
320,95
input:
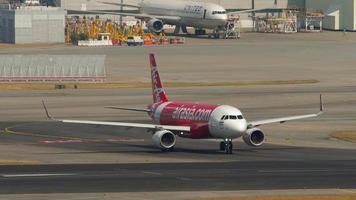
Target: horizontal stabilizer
x,y
129,109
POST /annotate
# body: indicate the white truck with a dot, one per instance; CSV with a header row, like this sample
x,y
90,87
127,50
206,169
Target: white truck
x,y
134,41
32,2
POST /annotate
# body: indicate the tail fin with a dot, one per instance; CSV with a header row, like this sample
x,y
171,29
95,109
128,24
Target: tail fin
x,y
159,95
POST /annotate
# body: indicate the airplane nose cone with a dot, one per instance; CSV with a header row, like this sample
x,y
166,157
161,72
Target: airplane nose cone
x,y
224,17
239,127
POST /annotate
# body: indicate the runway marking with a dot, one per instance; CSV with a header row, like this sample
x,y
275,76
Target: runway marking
x,y
60,141
34,175
153,173
64,139
125,140
184,178
293,170
8,131
85,140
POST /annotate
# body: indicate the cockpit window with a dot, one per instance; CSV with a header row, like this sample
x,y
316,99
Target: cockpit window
x,y
233,117
219,12
224,117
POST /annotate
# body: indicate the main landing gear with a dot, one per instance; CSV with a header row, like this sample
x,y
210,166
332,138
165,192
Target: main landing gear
x,y
199,32
226,146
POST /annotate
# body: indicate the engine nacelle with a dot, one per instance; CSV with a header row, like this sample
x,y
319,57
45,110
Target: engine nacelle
x,y
254,137
155,25
164,139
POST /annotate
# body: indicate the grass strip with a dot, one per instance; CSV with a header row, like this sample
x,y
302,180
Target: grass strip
x,y
289,197
118,85
349,136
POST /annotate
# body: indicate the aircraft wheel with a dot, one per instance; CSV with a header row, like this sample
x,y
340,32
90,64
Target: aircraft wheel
x,y
216,35
167,150
200,32
228,146
222,146
231,147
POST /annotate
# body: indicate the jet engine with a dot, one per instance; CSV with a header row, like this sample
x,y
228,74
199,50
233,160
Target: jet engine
x,y
155,25
164,139
254,137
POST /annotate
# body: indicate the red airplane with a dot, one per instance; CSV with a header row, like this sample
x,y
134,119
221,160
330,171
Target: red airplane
x,y
193,120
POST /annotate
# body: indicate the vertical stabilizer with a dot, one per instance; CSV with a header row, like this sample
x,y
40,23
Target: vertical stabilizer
x,y
159,95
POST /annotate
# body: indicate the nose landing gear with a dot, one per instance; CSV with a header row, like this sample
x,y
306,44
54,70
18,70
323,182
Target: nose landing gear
x,y
226,146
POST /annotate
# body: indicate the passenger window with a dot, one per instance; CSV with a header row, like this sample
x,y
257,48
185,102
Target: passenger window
x,y
233,117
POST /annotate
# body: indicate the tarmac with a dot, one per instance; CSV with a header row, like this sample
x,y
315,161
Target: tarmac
x,y
54,160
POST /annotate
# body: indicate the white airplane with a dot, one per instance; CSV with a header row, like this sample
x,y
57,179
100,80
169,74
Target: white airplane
x,y
182,14
193,120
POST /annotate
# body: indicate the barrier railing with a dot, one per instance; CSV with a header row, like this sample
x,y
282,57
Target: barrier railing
x,y
52,68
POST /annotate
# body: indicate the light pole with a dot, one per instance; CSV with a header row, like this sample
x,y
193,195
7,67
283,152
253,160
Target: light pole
x,y
253,14
121,10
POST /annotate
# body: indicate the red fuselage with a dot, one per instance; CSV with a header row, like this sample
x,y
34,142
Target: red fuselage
x,y
184,114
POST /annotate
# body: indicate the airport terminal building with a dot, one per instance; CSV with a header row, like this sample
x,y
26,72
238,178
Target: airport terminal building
x,y
32,24
339,14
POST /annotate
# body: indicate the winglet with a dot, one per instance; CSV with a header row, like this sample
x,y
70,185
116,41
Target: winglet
x,y
321,103
321,106
47,113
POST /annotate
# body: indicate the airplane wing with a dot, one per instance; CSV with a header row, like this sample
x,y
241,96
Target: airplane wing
x,y
285,119
121,124
120,4
128,14
260,10
130,125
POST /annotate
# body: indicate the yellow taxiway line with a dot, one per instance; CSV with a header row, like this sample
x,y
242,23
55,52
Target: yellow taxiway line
x,y
19,162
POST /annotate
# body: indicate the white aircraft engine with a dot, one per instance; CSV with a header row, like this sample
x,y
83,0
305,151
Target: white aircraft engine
x,y
155,25
254,137
164,139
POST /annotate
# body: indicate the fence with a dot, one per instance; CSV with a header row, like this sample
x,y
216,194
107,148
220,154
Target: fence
x,y
52,68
